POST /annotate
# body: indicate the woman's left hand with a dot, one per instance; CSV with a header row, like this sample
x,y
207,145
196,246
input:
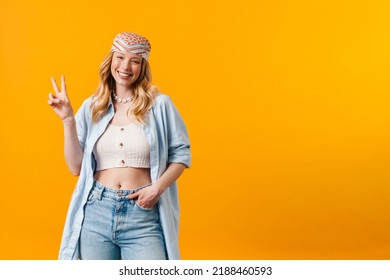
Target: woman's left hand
x,y
146,197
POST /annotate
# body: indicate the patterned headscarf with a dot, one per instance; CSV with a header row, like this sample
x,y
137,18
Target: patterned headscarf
x,y
132,42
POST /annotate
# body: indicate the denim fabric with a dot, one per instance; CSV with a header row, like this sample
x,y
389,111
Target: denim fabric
x,y
168,139
115,227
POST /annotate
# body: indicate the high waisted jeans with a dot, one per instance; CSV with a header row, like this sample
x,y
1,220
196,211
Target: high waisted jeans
x,y
115,227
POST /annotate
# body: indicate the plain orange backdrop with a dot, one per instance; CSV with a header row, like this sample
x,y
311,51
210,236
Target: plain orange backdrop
x,y
286,102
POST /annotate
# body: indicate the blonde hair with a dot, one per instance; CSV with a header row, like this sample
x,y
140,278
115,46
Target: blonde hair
x,y
144,92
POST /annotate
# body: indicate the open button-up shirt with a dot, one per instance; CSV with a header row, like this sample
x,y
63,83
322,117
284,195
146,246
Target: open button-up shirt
x,y
168,140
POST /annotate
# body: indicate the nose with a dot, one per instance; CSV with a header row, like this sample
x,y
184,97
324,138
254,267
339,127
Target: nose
x,y
126,65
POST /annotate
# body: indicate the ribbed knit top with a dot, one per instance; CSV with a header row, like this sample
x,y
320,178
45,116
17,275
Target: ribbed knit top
x,y
122,146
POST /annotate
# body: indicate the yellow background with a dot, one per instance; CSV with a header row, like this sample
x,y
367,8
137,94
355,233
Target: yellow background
x,y
286,103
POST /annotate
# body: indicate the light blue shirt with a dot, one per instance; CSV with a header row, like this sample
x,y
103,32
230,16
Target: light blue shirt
x,y
168,139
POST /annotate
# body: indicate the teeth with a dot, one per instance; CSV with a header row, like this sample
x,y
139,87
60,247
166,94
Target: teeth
x,y
124,75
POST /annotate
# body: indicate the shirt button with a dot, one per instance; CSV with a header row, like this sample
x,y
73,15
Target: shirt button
x,y
122,129
122,162
120,145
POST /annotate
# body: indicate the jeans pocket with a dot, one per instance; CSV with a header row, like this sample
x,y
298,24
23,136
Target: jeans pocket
x,y
143,208
92,197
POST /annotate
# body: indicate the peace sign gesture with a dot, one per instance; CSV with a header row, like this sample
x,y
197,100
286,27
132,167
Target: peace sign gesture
x,y
60,102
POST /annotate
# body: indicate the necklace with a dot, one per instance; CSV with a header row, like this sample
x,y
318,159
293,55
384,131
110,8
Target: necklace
x,y
119,100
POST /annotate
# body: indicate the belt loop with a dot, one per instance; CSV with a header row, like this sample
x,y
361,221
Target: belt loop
x,y
99,192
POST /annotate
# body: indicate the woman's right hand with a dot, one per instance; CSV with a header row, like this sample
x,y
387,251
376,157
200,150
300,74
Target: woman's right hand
x,y
60,102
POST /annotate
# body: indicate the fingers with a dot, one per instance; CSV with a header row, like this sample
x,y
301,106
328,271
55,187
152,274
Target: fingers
x,y
53,82
63,85
53,101
133,196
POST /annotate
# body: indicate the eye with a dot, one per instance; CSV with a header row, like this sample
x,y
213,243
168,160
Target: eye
x,y
136,61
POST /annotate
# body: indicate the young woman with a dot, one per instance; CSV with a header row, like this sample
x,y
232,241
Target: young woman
x,y
128,145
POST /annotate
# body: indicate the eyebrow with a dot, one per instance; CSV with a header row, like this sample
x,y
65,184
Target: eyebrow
x,y
134,57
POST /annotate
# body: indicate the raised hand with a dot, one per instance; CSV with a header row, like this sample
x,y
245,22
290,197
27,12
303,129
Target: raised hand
x,y
60,102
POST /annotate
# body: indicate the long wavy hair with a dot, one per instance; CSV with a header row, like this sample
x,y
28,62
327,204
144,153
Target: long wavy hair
x,y
144,92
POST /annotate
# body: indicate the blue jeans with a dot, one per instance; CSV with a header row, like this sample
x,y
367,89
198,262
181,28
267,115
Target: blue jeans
x,y
115,227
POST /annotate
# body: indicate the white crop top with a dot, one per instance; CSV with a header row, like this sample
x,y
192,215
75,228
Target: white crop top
x,y
122,146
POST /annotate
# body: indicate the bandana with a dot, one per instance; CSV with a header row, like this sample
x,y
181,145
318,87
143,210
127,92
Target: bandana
x,y
132,42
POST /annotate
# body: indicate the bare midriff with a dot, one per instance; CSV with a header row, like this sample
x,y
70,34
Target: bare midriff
x,y
123,178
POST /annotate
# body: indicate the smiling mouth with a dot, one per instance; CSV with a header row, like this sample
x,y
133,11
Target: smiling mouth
x,y
123,75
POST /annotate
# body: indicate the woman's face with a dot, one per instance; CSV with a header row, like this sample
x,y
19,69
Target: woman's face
x,y
125,68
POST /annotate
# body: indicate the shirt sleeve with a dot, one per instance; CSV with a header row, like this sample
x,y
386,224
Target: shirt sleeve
x,y
177,135
81,123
